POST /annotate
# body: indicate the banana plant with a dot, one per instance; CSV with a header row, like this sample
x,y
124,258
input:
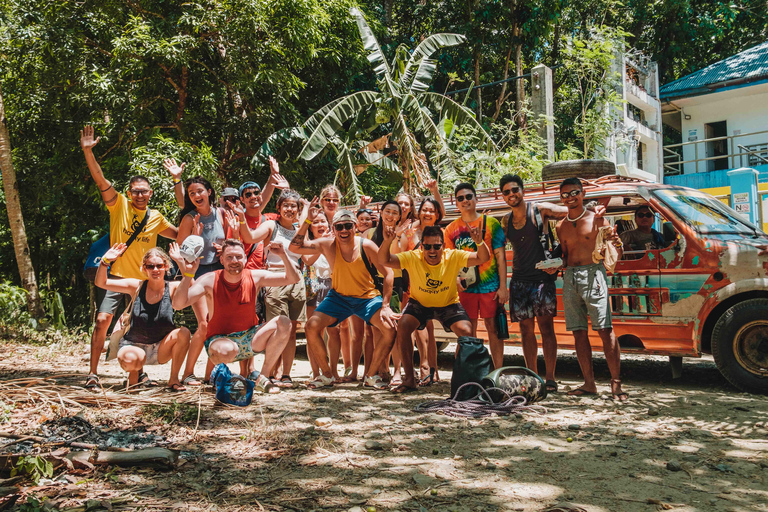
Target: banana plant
x,y
414,125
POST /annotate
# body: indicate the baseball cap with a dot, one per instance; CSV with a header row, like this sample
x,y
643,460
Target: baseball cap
x,y
343,215
230,192
248,184
192,247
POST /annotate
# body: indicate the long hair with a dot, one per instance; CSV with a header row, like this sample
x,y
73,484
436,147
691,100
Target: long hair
x,y
378,235
436,204
189,206
411,213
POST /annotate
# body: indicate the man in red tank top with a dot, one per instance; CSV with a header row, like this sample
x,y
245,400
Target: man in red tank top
x,y
234,333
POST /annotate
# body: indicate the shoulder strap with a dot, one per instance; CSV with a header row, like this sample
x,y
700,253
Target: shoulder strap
x,y
540,225
485,217
371,269
138,229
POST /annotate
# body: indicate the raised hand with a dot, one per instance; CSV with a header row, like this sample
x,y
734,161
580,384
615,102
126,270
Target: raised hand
x,y
173,168
279,182
476,233
276,248
185,266
431,186
274,167
313,209
365,201
86,138
197,227
599,211
231,217
389,233
115,252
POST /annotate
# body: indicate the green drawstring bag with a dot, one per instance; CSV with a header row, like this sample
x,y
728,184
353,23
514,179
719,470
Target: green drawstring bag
x,y
516,381
472,363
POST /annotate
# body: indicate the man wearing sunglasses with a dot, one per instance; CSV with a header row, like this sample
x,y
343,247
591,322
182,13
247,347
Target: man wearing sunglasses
x,y
434,294
532,291
481,298
353,292
125,217
644,237
585,288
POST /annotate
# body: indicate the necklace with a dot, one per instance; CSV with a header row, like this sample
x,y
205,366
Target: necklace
x,y
574,221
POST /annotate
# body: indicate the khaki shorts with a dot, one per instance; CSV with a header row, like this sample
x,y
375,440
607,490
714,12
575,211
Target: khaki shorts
x,y
585,294
287,300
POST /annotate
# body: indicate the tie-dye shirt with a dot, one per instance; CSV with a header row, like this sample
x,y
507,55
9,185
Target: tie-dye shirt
x,y
457,237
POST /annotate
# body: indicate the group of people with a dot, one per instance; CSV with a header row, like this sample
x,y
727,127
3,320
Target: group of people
x,y
362,283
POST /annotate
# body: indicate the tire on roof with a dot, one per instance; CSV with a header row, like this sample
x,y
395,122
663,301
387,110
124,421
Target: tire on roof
x,y
585,169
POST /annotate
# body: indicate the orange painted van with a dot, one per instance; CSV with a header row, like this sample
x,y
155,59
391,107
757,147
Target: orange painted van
x,y
705,292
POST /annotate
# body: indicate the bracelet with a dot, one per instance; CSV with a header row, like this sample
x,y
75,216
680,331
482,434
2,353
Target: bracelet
x,y
242,222
105,262
176,182
481,244
308,221
188,275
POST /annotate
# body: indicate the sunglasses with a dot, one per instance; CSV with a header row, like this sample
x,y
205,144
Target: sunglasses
x,y
641,215
572,193
159,266
329,200
344,226
250,194
232,199
429,247
467,197
364,210
510,190
140,192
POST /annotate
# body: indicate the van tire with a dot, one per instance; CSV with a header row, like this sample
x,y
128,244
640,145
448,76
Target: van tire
x,y
740,345
585,169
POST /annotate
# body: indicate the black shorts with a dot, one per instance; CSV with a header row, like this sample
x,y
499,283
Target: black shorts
x,y
111,302
447,315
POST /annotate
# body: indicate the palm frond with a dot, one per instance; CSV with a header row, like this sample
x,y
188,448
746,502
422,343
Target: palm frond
x,y
371,44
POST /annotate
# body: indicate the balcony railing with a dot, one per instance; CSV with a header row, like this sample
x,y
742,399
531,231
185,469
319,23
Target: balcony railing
x,y
737,153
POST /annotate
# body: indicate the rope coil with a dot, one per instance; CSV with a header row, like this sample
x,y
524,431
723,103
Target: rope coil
x,y
478,407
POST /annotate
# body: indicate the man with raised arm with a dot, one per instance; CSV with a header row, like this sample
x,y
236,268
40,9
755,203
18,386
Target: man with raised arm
x,y
353,292
125,217
585,287
434,294
234,332
532,297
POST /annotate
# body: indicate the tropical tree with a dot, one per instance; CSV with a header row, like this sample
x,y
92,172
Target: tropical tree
x,y
401,127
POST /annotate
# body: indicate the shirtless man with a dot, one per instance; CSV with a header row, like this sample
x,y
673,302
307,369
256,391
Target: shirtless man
x,y
353,293
234,333
585,288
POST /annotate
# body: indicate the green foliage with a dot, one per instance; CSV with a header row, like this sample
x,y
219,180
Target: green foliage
x,y
171,413
35,466
13,307
32,505
5,410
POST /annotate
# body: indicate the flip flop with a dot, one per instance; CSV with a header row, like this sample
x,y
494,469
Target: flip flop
x,y
581,392
191,380
375,382
402,388
429,379
321,381
176,388
92,382
621,396
551,386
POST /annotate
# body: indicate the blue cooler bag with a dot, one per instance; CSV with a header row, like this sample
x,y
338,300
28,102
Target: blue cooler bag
x,y
231,389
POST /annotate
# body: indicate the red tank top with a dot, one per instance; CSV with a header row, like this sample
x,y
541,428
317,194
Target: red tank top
x,y
234,305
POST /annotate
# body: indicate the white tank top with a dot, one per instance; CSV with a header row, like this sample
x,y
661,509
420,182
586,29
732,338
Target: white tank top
x,y
322,268
283,236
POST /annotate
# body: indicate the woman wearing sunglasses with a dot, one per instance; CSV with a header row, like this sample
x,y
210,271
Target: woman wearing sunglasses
x,y
152,337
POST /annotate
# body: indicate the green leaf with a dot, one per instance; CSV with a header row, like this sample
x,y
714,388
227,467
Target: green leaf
x,y
419,70
371,44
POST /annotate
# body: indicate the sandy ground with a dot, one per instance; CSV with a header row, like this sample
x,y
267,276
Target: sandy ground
x,y
692,444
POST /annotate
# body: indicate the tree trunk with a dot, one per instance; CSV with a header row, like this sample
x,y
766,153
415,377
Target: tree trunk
x,y
522,121
15,218
479,108
503,94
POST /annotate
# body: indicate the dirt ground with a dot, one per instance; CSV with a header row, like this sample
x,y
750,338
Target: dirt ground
x,y
692,444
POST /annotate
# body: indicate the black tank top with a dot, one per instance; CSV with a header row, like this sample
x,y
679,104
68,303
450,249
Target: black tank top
x,y
150,323
527,250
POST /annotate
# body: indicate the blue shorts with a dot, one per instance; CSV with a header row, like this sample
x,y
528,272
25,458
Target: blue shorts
x,y
342,307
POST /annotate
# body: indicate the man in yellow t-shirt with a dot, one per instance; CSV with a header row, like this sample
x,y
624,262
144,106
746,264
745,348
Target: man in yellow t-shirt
x,y
434,295
124,218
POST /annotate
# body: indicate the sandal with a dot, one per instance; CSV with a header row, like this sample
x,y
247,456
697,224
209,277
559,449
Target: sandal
x,y
191,380
621,396
429,379
321,381
264,385
402,388
254,375
286,381
375,382
146,382
176,388
92,382
581,392
551,386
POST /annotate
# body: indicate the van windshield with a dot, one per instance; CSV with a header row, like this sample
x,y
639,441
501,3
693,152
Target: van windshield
x,y
704,213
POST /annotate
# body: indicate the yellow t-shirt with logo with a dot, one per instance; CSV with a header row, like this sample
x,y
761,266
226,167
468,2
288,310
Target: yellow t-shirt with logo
x,y
123,220
434,286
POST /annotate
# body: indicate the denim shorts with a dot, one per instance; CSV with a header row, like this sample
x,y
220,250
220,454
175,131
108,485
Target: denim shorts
x,y
342,307
150,349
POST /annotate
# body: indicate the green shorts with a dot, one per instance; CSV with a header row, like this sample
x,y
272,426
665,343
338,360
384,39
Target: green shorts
x,y
585,294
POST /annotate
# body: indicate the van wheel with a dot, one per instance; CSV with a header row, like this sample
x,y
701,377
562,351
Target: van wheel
x,y
740,345
442,345
585,169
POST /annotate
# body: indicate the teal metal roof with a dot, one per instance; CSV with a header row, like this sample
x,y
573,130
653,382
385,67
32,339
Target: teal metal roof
x,y
745,68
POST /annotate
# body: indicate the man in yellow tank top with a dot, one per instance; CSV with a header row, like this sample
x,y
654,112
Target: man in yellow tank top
x,y
353,292
434,294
